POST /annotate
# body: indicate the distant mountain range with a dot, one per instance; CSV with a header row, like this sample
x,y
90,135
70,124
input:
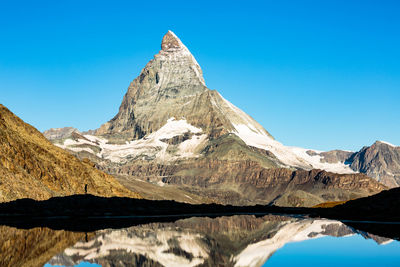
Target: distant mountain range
x,y
174,133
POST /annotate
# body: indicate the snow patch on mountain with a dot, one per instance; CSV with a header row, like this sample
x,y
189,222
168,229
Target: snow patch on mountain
x,y
387,143
173,128
253,134
150,146
290,156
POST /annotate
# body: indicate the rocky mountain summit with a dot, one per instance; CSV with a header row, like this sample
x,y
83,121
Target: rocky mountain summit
x,y
380,161
171,130
31,166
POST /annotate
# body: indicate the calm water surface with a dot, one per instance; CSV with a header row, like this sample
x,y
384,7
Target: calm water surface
x,y
243,240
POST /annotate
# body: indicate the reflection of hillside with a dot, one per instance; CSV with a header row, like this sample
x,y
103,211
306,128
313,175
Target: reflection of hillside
x,y
33,247
225,241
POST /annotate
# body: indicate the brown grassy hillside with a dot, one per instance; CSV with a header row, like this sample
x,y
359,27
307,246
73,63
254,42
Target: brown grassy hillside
x,y
32,167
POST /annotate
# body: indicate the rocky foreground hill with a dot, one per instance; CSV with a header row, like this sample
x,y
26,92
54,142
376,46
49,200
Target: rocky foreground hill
x,y
173,132
32,167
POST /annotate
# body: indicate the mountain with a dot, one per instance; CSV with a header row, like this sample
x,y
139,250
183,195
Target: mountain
x,y
169,98
171,130
32,167
380,161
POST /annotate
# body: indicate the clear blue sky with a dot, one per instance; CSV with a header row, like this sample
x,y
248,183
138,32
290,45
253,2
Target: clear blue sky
x,y
316,74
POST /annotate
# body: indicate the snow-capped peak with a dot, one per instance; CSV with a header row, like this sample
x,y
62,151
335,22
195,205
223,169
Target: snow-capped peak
x,y
173,49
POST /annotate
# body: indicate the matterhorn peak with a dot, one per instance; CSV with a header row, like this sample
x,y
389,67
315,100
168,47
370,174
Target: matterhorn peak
x,y
171,42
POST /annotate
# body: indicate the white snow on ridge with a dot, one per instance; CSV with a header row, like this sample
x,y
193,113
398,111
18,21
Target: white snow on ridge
x,y
291,156
149,146
253,134
244,118
387,143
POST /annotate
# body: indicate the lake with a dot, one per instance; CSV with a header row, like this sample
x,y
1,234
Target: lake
x,y
240,240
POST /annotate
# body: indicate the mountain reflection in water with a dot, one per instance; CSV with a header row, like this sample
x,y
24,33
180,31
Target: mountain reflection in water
x,y
241,240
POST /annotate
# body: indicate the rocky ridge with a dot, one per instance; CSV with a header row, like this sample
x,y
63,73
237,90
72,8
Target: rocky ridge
x,y
380,161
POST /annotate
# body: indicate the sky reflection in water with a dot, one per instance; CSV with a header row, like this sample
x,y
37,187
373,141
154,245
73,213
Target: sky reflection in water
x,y
333,251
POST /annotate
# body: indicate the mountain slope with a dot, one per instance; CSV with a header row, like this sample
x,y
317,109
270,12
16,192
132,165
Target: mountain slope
x,y
380,161
33,167
246,182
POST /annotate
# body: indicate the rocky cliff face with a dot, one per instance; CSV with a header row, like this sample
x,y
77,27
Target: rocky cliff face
x,y
247,182
32,167
380,161
170,85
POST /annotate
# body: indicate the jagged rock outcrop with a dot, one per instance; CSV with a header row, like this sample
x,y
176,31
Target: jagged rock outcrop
x,y
380,161
32,167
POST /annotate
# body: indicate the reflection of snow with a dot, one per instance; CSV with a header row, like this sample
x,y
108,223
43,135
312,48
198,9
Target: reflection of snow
x,y
172,245
256,254
154,245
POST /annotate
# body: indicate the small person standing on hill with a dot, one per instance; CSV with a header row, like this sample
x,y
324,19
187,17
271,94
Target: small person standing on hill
x,y
86,186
